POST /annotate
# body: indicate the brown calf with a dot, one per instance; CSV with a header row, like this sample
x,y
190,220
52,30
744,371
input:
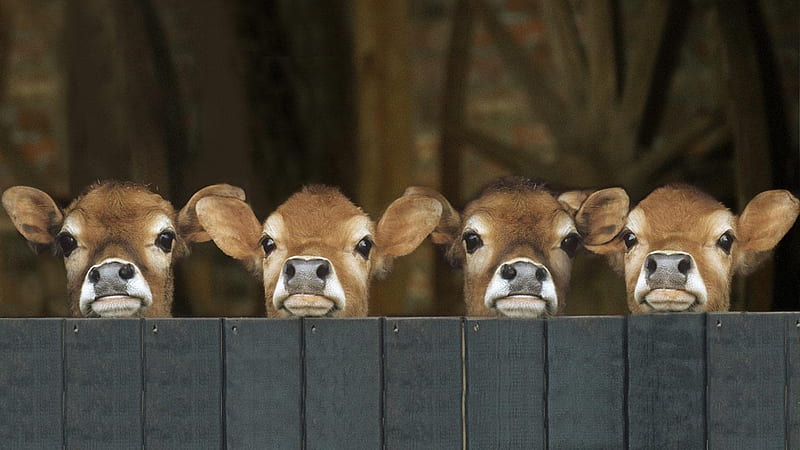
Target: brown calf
x,y
119,242
516,242
680,247
317,252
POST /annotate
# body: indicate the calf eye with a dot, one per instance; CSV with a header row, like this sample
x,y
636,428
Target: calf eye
x,y
364,246
164,240
570,244
629,239
725,242
472,241
66,243
269,245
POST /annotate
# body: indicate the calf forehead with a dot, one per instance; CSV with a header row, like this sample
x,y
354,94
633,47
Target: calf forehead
x,y
680,212
516,216
321,214
120,209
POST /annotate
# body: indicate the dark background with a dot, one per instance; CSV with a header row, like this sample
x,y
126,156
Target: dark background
x,y
375,96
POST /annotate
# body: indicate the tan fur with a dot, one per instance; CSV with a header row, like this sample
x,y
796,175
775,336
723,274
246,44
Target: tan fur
x,y
519,219
683,218
110,220
518,224
319,221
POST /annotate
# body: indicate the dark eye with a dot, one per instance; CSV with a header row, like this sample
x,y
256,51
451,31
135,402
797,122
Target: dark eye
x,y
269,245
472,241
629,239
570,244
164,240
66,243
364,246
725,242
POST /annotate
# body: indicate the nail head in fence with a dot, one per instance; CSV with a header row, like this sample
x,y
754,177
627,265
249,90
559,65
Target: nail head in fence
x,y
103,383
263,376
793,381
183,376
746,382
505,385
586,382
343,383
422,379
30,383
666,381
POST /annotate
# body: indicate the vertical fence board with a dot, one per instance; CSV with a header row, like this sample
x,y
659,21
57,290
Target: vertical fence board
x,y
422,378
182,382
343,383
103,383
586,382
263,383
31,383
746,379
793,379
666,381
505,387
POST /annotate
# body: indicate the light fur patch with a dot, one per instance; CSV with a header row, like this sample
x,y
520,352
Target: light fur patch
x,y
274,226
637,221
479,261
158,260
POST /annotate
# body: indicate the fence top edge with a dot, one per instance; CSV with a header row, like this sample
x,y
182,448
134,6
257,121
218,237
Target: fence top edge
x,y
407,318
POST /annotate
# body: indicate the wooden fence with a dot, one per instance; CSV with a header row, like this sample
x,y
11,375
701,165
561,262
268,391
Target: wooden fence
x,y
661,381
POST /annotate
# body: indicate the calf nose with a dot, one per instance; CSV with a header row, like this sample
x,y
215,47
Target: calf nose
x,y
111,276
306,276
524,277
669,271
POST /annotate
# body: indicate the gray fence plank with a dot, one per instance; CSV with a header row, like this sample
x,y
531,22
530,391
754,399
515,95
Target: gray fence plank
x,y
263,376
103,383
746,379
343,383
422,379
31,383
666,381
793,379
505,383
586,382
182,383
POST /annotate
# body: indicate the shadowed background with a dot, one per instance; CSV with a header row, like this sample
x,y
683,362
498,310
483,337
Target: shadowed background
x,y
375,96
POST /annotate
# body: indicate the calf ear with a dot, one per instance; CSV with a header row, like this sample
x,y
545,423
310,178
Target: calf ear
x,y
601,216
762,224
571,201
34,214
232,225
446,231
189,226
411,218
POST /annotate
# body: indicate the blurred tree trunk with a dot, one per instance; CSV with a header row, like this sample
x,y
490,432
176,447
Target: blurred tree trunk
x,y
116,126
383,77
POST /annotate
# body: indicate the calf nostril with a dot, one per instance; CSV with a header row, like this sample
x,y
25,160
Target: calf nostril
x,y
127,271
507,272
651,265
289,270
541,274
323,270
94,275
684,265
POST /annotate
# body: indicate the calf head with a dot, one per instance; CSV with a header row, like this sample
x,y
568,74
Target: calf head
x,y
317,252
516,242
680,247
118,240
